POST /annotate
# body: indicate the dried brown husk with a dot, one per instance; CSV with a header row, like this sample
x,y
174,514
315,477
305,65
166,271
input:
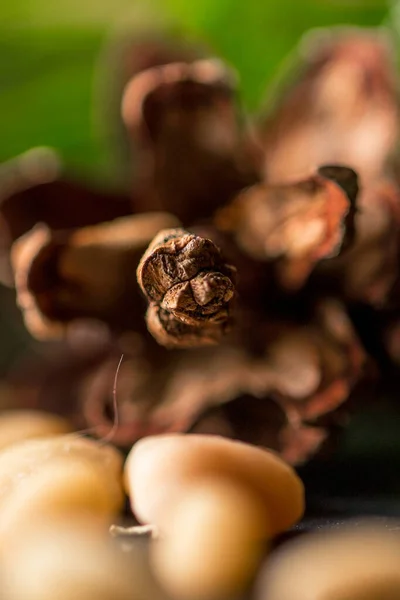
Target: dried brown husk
x,y
34,189
280,399
195,152
312,370
316,365
123,412
87,273
171,332
165,392
190,288
291,363
296,225
126,53
51,379
368,271
341,108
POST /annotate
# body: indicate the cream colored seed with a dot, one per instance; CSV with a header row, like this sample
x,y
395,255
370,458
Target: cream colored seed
x,y
159,467
215,503
19,425
72,560
61,475
215,543
352,564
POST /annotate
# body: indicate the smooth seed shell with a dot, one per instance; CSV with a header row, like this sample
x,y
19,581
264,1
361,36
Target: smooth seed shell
x,y
58,475
19,425
71,559
215,542
159,467
360,563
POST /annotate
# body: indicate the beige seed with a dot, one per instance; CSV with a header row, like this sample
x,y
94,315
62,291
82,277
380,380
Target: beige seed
x,y
215,543
351,564
58,475
215,502
158,467
19,425
72,560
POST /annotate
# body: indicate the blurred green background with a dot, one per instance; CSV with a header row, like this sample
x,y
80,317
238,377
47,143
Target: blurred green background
x,y
49,57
